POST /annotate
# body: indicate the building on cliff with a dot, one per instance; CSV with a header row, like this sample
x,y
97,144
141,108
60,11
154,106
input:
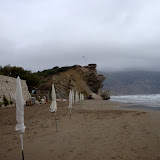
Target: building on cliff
x,y
92,66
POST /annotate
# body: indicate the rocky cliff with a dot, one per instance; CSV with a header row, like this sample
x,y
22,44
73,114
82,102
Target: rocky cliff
x,y
8,87
82,79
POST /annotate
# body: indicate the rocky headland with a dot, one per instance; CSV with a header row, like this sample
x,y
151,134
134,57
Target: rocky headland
x,y
83,79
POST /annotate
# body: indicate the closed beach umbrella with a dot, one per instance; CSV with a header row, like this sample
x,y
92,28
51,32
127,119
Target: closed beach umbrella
x,y
53,107
77,97
80,97
72,95
70,102
20,112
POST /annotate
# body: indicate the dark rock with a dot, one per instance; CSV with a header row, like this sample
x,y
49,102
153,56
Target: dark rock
x,y
90,97
105,95
95,81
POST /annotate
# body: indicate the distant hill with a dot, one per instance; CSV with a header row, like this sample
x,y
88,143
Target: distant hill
x,y
133,82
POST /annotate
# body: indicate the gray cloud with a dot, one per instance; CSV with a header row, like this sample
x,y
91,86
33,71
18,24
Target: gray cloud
x,y
117,35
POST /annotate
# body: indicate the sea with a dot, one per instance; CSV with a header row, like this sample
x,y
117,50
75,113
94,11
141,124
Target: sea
x,y
148,101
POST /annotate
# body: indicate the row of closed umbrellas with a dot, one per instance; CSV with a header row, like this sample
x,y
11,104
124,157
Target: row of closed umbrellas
x,y
72,99
20,127
77,98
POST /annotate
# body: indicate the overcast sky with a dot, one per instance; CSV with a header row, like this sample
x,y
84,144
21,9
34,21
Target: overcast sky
x,y
115,34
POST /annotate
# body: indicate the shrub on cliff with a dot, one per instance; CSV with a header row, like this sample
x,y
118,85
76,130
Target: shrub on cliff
x,y
5,101
31,79
50,72
10,102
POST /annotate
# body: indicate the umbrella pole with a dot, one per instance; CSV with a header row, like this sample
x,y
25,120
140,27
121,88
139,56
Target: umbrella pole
x,y
21,136
70,113
56,122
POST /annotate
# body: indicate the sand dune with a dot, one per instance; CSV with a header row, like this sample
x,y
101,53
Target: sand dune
x,y
98,130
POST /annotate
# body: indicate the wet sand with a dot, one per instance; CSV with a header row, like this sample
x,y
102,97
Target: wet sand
x,y
142,107
98,130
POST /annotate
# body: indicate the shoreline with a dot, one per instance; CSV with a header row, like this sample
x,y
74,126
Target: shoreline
x,y
141,107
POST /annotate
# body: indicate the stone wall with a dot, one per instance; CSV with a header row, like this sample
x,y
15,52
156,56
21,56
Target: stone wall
x,y
8,86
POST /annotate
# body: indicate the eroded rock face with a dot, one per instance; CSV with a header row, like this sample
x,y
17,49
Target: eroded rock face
x,y
95,81
83,79
8,87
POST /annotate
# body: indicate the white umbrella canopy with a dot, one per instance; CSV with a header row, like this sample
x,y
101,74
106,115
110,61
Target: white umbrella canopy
x,y
70,100
72,95
19,107
53,107
20,112
77,97
80,97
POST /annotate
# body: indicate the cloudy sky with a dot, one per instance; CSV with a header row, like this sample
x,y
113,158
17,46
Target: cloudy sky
x,y
115,34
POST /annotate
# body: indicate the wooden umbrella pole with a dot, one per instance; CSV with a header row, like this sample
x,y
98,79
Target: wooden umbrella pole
x,y
55,116
70,113
21,136
56,122
22,155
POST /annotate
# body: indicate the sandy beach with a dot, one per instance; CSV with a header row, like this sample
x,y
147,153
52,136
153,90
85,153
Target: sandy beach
x,y
97,130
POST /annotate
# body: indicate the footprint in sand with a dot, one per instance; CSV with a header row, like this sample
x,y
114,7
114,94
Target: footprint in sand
x,y
9,149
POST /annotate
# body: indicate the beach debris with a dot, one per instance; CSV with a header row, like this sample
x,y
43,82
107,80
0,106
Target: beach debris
x,y
20,112
53,107
70,102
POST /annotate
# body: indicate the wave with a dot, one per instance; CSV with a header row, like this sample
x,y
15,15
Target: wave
x,y
149,99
